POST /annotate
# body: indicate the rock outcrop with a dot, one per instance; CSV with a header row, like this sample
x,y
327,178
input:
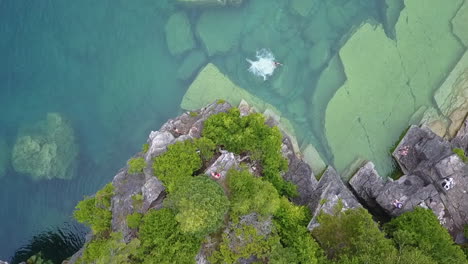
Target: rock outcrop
x,y
127,186
179,36
434,177
330,192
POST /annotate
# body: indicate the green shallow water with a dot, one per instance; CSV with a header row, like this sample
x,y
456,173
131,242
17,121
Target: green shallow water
x,y
105,66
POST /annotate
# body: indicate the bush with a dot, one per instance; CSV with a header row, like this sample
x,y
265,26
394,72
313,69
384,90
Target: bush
x,y
420,229
200,205
245,243
461,153
206,147
95,211
250,134
111,250
163,242
178,164
250,194
353,237
297,245
136,165
134,220
145,147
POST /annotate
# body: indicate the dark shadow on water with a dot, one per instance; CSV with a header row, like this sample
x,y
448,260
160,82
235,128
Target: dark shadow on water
x,y
55,244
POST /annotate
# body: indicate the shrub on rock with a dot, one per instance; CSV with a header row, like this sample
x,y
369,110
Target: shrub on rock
x,y
136,165
200,205
96,211
420,229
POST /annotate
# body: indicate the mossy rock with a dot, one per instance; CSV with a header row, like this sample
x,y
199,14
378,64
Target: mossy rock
x,y
220,30
179,36
46,149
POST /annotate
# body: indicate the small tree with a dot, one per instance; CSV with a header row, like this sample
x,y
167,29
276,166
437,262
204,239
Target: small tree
x,y
200,205
420,229
250,194
136,165
95,211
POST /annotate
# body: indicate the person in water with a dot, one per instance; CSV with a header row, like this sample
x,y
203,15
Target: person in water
x,y
277,63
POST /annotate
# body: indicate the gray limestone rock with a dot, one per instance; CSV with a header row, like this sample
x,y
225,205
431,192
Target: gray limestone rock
x,y
461,139
158,142
125,186
299,173
329,192
367,184
153,193
436,178
223,164
399,191
418,145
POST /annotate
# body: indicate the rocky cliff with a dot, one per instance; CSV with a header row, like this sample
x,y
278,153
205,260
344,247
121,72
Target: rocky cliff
x,y
435,178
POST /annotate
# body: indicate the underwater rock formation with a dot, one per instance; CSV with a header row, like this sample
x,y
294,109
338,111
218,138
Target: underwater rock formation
x,y
179,36
378,68
4,157
194,60
460,26
46,150
219,30
210,2
452,96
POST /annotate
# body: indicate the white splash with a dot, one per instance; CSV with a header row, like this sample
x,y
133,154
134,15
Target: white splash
x,y
265,64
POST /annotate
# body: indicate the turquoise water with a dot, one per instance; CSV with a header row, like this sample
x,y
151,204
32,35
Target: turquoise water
x,y
105,66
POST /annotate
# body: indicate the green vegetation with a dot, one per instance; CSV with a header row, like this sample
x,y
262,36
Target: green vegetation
x,y
38,259
220,101
250,194
297,245
163,242
111,250
145,147
134,220
193,114
245,243
461,153
420,229
250,134
199,210
178,164
200,205
136,165
352,236
206,148
95,211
